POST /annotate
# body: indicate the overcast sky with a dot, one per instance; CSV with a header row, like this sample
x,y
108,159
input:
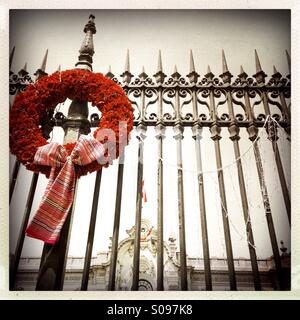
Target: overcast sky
x,y
175,33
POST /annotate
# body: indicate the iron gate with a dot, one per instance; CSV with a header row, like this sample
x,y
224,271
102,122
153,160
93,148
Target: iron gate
x,y
205,95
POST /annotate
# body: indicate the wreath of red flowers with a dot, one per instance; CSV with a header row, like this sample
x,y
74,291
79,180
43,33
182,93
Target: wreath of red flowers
x,y
31,106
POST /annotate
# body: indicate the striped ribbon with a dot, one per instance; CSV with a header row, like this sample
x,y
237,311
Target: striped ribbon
x,y
57,200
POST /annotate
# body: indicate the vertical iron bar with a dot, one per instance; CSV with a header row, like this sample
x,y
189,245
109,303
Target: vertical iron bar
x,y
181,222
160,220
287,114
24,224
14,178
11,57
283,184
138,213
215,136
46,248
286,111
282,180
54,258
253,131
115,237
234,136
91,234
228,243
160,130
17,163
204,232
266,202
197,135
249,232
52,270
39,74
178,136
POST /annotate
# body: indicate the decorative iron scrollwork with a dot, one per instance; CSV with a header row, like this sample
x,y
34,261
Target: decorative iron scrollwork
x,y
13,83
224,117
276,117
202,117
150,93
261,117
188,117
153,116
18,83
167,116
210,93
239,117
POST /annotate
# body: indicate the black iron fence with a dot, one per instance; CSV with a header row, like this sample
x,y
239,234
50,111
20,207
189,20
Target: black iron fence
x,y
215,102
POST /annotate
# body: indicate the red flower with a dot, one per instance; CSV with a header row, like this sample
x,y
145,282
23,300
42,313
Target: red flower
x,y
31,105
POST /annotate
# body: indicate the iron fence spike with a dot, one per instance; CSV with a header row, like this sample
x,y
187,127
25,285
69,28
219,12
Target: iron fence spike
x,y
288,60
224,62
44,62
159,65
192,63
257,62
11,56
127,63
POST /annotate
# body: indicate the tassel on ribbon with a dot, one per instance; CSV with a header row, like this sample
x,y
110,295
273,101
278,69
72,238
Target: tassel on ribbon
x,y
57,200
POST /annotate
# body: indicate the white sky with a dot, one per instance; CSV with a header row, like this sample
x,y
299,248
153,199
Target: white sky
x,y
175,32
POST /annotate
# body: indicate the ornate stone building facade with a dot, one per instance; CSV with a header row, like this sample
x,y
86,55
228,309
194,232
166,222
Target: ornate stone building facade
x,y
99,271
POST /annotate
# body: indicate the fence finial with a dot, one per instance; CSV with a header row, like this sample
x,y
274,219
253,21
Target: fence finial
x,y
126,74
276,74
288,60
242,70
159,64
59,68
226,75
143,75
11,56
43,65
109,73
41,71
224,62
257,62
159,75
127,63
243,75
209,75
192,63
175,75
260,75
86,51
23,71
193,75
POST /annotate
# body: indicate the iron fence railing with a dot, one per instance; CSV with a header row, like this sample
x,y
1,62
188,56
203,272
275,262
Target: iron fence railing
x,y
176,102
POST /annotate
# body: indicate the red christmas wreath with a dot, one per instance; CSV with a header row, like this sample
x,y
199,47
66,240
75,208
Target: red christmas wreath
x,y
31,106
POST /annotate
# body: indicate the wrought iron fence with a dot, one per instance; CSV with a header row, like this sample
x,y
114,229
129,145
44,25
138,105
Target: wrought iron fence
x,y
205,96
